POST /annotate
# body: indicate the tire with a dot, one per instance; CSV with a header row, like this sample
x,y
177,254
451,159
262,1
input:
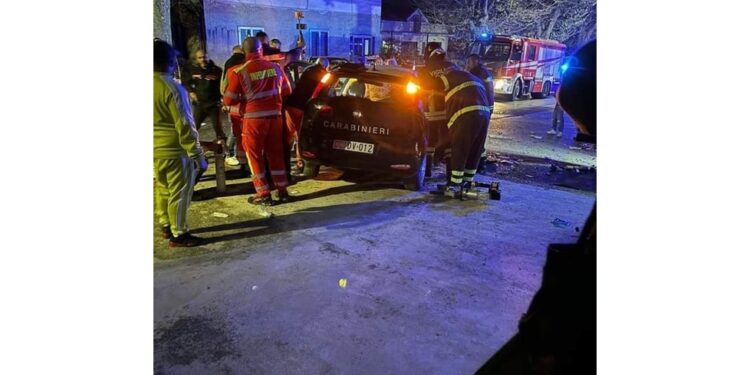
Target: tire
x,y
517,89
545,91
415,182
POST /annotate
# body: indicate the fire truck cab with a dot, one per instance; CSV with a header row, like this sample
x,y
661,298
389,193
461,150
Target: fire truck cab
x,y
521,66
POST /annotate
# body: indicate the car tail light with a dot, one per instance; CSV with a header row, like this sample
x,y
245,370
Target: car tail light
x,y
411,88
309,155
325,78
400,167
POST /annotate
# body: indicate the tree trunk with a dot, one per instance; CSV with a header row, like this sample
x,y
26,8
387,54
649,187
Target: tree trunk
x,y
552,22
162,20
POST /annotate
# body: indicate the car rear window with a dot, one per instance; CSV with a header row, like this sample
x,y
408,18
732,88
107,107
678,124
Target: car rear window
x,y
375,91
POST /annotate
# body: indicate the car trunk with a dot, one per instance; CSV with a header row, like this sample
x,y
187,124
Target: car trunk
x,y
352,132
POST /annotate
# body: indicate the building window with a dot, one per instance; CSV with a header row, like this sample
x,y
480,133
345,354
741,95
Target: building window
x,y
244,32
362,45
318,43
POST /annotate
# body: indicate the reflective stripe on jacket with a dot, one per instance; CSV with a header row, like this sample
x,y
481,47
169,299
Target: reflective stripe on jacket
x,y
259,86
464,92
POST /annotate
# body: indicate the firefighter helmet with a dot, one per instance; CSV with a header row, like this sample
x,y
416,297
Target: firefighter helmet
x,y
251,45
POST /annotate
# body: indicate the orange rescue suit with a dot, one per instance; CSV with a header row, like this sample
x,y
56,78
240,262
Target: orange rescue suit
x,y
259,87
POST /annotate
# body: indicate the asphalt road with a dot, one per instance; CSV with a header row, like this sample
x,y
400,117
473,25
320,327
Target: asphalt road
x,y
361,276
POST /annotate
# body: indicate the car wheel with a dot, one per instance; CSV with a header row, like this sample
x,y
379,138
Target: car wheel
x,y
416,181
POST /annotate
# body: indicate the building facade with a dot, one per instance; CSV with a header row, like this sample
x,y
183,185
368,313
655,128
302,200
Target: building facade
x,y
342,28
407,34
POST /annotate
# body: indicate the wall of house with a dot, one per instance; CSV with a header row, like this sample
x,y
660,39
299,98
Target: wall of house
x,y
341,18
406,34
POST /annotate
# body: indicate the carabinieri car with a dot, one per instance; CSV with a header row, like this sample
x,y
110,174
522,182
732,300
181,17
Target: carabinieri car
x,y
367,119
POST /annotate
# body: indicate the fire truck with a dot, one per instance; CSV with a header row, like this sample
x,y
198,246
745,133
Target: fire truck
x,y
521,66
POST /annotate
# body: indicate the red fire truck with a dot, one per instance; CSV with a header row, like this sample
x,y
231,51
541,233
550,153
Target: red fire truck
x,y
521,66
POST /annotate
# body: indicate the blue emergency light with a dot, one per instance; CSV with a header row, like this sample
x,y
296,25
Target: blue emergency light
x,y
564,67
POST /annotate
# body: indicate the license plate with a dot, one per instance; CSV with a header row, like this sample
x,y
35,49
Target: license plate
x,y
365,148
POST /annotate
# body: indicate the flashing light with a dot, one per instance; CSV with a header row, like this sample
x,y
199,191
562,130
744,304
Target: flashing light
x,y
483,35
564,67
325,78
411,88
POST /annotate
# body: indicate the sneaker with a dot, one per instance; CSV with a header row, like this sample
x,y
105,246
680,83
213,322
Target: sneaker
x,y
166,233
232,161
559,134
552,132
261,201
186,240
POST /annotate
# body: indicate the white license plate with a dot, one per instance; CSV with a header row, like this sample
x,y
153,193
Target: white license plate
x,y
365,148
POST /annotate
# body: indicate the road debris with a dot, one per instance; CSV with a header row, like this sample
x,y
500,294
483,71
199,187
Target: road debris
x,y
575,148
220,215
342,283
536,136
492,136
560,223
255,287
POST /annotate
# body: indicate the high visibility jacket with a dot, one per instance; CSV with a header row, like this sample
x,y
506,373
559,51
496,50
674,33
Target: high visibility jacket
x,y
259,86
489,84
434,100
175,135
234,61
464,92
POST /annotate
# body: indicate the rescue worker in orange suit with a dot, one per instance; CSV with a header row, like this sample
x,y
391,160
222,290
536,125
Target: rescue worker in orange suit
x,y
438,143
474,66
235,112
468,113
260,86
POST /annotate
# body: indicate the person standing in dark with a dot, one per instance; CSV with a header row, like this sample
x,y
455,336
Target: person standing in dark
x,y
267,49
558,121
474,66
203,85
294,105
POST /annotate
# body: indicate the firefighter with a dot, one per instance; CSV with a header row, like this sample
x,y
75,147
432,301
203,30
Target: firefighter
x,y
235,113
438,143
260,87
468,113
474,66
178,156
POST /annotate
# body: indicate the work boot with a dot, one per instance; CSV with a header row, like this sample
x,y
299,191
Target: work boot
x,y
260,201
454,191
166,232
284,197
186,240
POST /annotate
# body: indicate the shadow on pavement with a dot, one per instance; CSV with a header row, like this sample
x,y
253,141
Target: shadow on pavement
x,y
343,216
